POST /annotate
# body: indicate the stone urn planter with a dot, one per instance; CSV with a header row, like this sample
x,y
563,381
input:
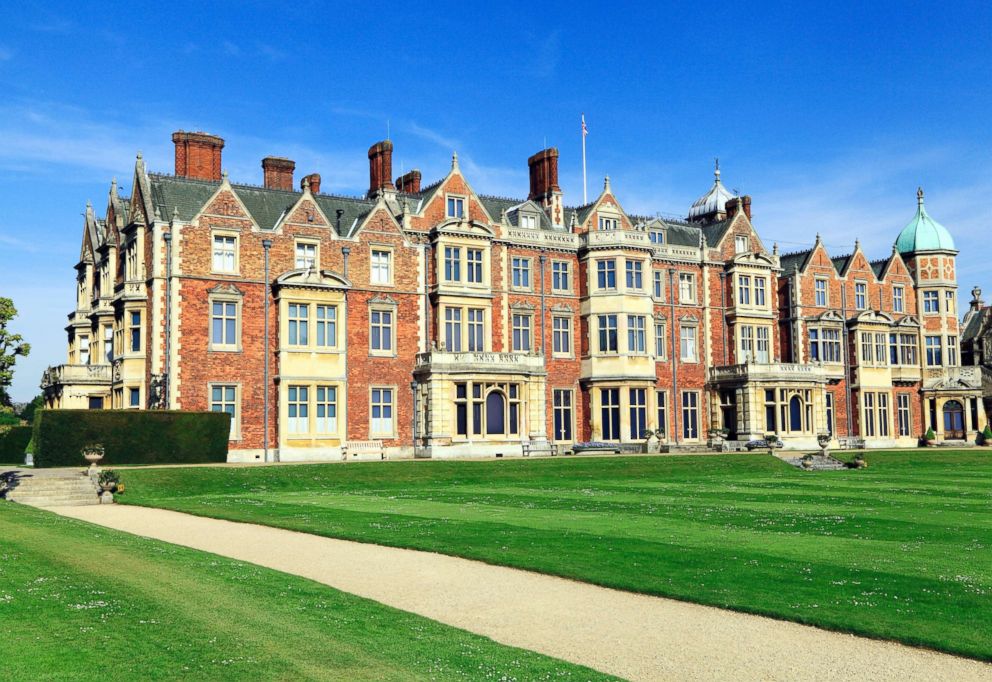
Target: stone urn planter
x,y
92,454
823,440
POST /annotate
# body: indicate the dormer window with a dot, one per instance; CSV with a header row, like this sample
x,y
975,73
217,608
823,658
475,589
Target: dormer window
x,y
656,237
528,220
607,223
456,207
742,243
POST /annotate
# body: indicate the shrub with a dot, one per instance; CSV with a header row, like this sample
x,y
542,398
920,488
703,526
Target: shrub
x,y
130,436
930,435
13,441
987,435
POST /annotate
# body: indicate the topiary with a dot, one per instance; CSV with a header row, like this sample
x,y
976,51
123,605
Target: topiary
x,y
930,435
987,435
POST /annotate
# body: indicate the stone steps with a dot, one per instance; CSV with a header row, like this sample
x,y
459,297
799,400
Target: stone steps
x,y
60,489
819,463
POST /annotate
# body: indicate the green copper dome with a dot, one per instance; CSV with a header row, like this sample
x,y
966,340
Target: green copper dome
x,y
923,232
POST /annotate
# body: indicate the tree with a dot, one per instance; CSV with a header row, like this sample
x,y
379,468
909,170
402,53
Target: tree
x,y
11,345
27,414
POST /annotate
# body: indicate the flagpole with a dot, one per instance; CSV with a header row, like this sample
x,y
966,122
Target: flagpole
x,y
585,198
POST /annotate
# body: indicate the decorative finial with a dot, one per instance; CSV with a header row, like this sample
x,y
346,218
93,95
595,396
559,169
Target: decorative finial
x,y
857,244
716,170
775,249
818,240
919,196
175,213
223,175
139,155
454,160
976,293
606,184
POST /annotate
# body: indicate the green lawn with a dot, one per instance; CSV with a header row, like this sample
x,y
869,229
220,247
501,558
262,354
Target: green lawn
x,y
901,550
78,602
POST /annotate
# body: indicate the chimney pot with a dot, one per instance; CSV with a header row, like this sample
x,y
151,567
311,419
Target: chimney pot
x,y
312,181
409,182
278,172
380,167
543,174
746,203
198,155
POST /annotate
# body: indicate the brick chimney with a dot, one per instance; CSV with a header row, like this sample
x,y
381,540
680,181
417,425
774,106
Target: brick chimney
x,y
409,183
739,205
197,155
380,167
543,174
312,181
278,173
746,202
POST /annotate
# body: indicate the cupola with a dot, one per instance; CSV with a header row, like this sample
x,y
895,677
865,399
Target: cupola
x,y
713,204
923,233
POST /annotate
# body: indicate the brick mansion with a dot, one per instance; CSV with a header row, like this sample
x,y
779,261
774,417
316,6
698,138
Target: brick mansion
x,y
436,321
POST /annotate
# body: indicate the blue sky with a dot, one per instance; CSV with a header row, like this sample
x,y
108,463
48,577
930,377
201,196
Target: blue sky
x,y
829,116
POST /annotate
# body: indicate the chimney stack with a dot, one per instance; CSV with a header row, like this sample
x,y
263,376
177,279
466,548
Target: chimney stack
x,y
380,167
543,174
312,181
278,173
739,205
409,183
746,203
198,155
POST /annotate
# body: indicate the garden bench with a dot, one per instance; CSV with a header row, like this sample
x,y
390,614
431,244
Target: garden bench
x,y
543,448
363,449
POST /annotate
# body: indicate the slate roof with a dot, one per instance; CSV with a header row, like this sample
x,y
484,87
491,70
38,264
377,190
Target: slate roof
x,y
795,260
977,323
878,266
840,262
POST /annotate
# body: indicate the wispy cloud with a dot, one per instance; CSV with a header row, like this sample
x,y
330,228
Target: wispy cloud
x,y
431,135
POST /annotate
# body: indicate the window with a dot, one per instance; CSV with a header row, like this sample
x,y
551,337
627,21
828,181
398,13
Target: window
x,y
662,399
84,350
606,274
608,334
134,397
453,329
759,291
520,269
762,353
903,416
528,220
456,207
690,415
381,270
490,408
659,285
452,264
224,398
931,303
476,330
743,290
687,344
636,334
225,253
659,341
869,410
521,332
382,412
952,351
880,346
907,349
820,292
771,420
561,335
949,300
299,324
608,223
860,295
746,342
638,398
327,409
656,237
934,358
824,345
562,405
866,348
223,325
560,280
814,345
634,275
742,244
327,326
134,330
306,255
898,299
883,415
687,287
473,266
609,402
298,407
830,412
108,343
381,332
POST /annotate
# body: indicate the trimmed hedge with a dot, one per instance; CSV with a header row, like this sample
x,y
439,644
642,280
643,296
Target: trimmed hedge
x,y
13,442
130,436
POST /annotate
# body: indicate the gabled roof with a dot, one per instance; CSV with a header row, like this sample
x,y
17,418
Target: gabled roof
x,y
797,260
841,262
878,266
714,231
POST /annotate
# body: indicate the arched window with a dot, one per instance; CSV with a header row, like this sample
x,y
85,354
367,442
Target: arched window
x,y
795,414
495,413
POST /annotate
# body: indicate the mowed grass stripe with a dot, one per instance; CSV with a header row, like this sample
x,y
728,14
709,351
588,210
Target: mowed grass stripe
x,y
80,602
900,550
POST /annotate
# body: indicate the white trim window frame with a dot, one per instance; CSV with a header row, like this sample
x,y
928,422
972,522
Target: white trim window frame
x,y
224,252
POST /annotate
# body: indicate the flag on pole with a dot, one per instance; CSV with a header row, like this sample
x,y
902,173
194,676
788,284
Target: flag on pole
x,y
585,130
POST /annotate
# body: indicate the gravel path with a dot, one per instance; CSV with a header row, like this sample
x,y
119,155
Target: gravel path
x,y
630,635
